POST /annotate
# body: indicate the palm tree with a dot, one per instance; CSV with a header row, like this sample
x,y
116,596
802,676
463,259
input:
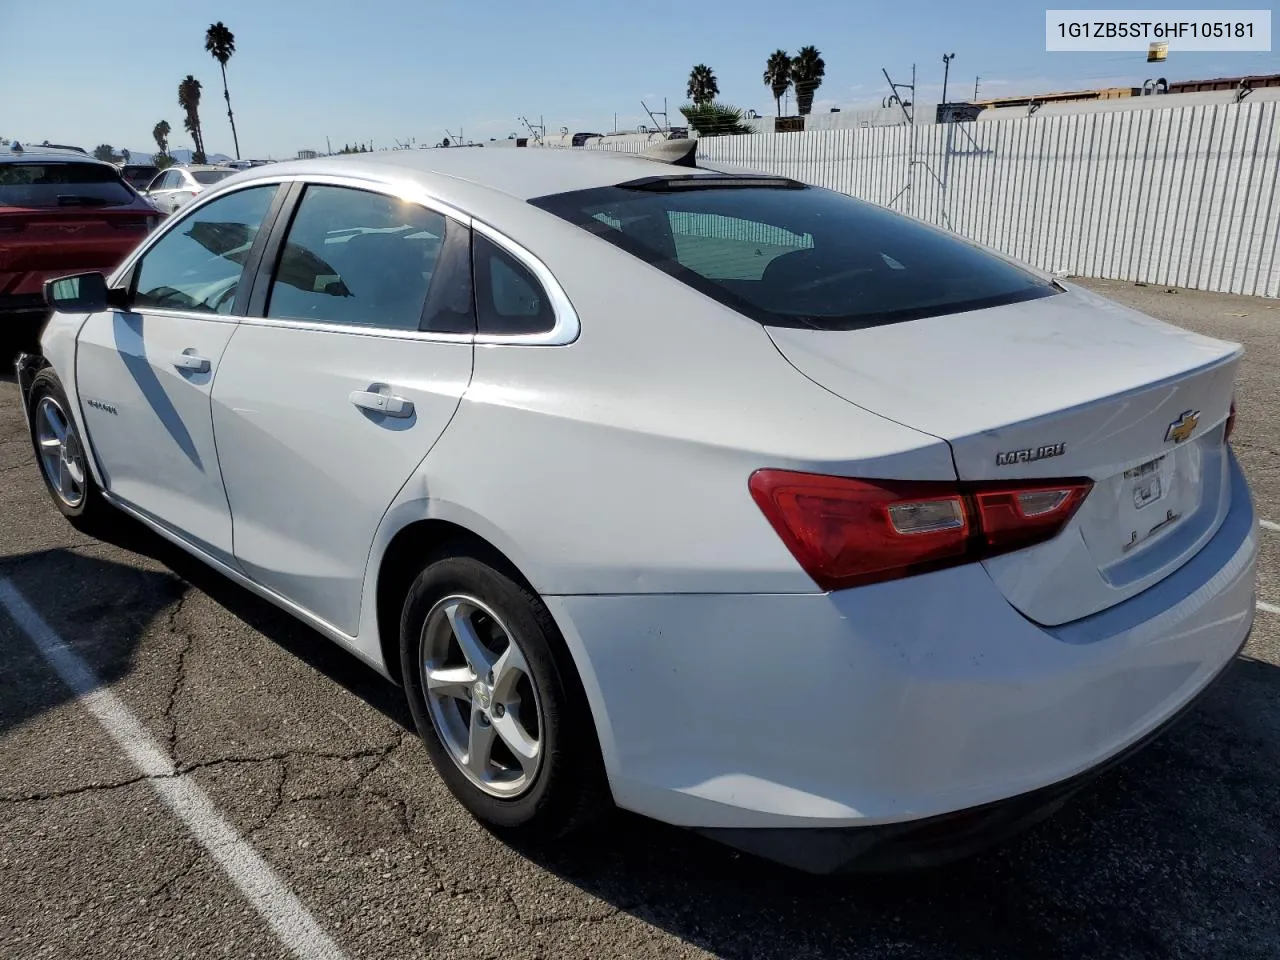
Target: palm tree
x,y
807,71
715,119
161,134
221,44
777,75
702,85
189,100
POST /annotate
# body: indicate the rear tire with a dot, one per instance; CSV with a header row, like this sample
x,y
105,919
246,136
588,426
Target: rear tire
x,y
543,776
63,459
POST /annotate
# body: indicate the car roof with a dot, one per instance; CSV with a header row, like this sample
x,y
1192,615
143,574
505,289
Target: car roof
x,y
201,167
47,154
519,173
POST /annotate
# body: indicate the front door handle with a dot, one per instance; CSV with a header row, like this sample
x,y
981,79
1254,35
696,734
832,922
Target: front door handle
x,y
384,403
189,361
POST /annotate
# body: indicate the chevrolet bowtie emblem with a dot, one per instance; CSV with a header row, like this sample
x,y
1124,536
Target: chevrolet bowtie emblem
x,y
1182,428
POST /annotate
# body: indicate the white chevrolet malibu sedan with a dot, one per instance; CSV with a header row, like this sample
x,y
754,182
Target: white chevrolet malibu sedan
x,y
728,500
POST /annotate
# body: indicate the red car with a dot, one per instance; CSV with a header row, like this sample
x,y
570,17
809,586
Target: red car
x,y
61,212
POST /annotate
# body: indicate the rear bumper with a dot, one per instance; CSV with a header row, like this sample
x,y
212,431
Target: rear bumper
x,y
889,705
932,841
27,304
25,282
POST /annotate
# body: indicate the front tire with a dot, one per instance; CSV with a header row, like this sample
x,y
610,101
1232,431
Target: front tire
x,y
497,701
63,458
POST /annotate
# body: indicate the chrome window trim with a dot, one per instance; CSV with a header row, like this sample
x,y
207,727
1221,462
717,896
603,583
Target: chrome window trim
x,y
371,330
172,221
182,314
565,330
567,325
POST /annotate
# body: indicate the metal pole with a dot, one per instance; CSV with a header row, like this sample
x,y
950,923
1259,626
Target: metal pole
x,y
975,88
946,70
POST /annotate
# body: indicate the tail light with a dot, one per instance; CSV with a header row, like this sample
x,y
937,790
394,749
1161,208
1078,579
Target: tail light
x,y
848,532
1231,422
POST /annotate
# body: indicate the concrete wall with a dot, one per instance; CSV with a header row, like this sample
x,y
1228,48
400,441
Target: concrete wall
x,y
1183,196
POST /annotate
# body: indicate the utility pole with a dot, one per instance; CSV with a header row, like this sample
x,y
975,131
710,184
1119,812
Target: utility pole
x,y
328,147
946,71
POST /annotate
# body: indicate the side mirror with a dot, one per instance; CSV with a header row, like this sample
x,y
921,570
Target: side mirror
x,y
82,293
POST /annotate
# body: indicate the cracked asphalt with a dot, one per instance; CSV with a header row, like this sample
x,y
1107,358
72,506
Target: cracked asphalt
x,y
312,759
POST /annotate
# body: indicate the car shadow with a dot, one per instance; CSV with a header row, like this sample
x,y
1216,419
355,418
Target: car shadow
x,y
1172,854
123,599
46,580
283,629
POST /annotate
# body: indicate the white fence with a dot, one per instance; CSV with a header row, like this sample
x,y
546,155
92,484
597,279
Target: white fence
x,y
1178,196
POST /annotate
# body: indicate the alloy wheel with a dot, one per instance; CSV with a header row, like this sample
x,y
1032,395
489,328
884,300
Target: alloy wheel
x,y
481,696
61,454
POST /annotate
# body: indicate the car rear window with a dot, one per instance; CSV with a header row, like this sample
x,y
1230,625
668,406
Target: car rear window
x,y
211,176
60,184
790,255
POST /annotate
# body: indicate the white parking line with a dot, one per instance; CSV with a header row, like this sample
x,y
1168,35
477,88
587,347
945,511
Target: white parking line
x,y
1269,525
1268,607
292,923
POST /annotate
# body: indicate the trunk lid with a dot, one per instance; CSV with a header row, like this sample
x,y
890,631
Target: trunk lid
x,y
1066,386
36,243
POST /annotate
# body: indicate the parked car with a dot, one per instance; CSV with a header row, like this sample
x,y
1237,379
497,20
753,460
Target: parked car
x,y
737,502
61,212
177,186
139,175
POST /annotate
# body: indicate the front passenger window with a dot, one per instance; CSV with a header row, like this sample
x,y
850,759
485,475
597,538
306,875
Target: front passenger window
x,y
196,266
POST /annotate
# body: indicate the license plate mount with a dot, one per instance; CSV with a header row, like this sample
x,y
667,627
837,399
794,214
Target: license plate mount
x,y
1146,488
1145,483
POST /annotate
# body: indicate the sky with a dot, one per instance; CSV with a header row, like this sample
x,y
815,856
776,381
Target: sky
x,y
383,71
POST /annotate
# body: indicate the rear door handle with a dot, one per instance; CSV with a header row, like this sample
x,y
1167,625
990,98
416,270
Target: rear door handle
x,y
189,361
384,403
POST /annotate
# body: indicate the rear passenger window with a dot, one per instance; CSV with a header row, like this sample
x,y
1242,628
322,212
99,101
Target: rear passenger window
x,y
509,298
358,258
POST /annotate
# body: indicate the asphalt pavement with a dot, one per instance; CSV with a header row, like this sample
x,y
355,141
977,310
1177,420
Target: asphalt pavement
x,y
301,765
